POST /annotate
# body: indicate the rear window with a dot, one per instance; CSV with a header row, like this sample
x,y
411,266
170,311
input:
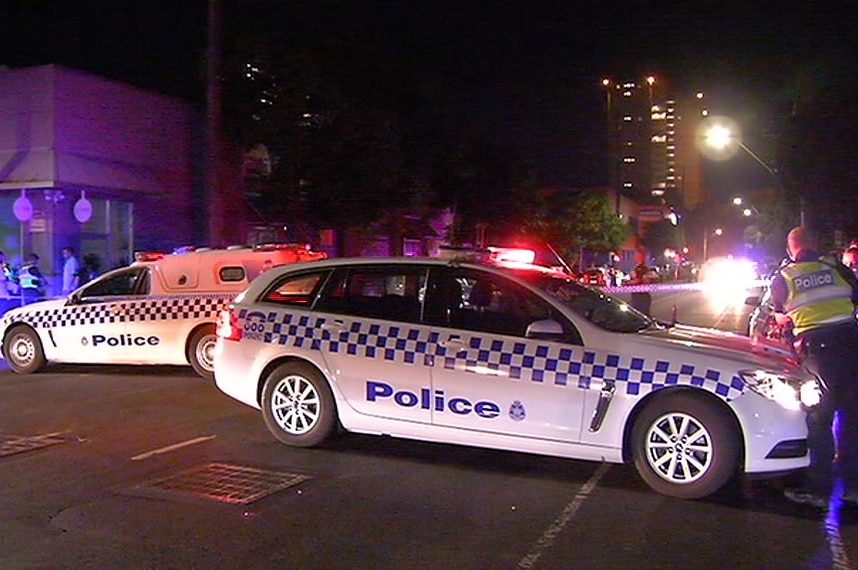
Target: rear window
x,y
295,289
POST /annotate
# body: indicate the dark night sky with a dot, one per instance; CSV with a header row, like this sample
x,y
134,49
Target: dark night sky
x,y
524,70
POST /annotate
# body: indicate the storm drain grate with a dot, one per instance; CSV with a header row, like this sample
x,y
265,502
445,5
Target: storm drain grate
x,y
12,444
232,484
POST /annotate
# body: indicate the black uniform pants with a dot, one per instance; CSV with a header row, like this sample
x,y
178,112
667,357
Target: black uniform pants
x,y
832,352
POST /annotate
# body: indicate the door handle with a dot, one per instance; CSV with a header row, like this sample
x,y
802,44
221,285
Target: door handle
x,y
454,344
333,328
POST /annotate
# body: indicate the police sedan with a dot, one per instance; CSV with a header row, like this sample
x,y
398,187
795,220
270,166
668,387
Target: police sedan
x,y
513,357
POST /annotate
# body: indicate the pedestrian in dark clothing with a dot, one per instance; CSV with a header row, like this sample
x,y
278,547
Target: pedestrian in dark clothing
x,y
818,295
850,258
641,298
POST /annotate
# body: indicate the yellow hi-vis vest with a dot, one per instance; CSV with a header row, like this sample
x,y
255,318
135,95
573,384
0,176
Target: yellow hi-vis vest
x,y
26,279
818,295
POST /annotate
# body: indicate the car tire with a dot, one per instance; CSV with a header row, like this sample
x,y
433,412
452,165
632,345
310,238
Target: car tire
x,y
297,405
201,351
23,350
685,446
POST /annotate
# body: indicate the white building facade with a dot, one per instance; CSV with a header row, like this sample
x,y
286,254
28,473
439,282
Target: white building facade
x,y
93,164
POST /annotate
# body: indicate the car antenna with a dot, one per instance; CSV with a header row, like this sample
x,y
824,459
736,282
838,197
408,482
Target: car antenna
x,y
560,259
673,316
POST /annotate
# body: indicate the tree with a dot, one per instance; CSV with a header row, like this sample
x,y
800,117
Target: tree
x,y
572,222
662,235
329,124
817,150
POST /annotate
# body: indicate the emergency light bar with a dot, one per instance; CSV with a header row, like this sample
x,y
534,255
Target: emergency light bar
x,y
279,246
148,255
500,255
512,254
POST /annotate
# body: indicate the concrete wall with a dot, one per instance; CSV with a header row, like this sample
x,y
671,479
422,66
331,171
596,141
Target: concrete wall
x,y
69,131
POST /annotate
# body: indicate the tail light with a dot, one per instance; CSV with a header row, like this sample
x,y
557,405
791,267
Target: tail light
x,y
227,325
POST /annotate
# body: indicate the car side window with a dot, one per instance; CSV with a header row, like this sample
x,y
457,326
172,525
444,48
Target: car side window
x,y
122,284
391,292
485,302
296,290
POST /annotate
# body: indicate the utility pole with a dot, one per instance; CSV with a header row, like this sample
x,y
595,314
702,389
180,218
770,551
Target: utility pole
x,y
214,203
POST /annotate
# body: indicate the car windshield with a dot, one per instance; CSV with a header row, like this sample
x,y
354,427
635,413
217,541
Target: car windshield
x,y
600,309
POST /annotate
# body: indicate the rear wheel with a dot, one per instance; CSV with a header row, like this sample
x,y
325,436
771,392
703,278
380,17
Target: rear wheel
x,y
201,352
23,350
685,446
298,406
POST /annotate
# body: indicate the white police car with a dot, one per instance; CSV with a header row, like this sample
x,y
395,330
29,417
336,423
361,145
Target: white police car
x,y
518,358
161,309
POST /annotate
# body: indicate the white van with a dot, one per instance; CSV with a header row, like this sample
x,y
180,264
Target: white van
x,y
161,309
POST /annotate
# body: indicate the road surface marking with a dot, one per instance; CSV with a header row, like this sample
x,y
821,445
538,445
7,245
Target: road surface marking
x,y
553,531
173,447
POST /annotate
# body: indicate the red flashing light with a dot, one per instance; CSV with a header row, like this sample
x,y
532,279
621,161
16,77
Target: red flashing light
x,y
512,255
148,255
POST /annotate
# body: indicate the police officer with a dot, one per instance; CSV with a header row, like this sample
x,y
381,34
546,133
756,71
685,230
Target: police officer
x,y
30,280
818,295
8,285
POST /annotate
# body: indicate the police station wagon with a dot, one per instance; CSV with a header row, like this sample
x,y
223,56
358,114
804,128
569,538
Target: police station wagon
x,y
514,357
161,309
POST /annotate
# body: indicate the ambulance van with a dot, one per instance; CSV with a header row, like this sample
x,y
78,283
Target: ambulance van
x,y
161,309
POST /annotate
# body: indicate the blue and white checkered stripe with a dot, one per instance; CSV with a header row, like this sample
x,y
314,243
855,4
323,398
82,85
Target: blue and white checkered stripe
x,y
123,309
518,360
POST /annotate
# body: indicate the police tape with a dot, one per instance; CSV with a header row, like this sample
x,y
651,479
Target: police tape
x,y
685,286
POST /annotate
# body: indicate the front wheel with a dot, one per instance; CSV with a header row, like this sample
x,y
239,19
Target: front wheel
x,y
201,352
297,405
23,350
685,447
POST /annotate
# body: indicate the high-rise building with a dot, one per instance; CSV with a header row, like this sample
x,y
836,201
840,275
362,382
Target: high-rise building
x,y
651,142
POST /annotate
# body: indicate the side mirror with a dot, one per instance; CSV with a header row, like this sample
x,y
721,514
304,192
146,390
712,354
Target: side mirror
x,y
546,329
753,301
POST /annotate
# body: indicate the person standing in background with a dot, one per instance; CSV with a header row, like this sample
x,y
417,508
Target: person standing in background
x,y
71,271
8,287
31,281
850,258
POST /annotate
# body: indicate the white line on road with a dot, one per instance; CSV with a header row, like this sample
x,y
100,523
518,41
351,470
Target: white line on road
x,y
547,539
173,447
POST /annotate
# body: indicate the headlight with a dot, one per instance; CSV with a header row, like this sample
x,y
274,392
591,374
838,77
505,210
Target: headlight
x,y
788,391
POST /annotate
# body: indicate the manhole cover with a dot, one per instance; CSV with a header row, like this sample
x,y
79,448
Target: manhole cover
x,y
12,444
233,484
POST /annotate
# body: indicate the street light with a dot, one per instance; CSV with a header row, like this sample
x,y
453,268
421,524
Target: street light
x,y
721,139
706,235
747,211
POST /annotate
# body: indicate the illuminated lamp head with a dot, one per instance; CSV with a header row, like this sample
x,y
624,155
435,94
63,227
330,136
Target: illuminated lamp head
x,y
512,255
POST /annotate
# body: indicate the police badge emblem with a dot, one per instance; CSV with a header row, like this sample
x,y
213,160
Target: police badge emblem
x,y
516,411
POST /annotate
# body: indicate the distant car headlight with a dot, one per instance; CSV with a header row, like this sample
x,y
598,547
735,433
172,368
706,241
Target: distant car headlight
x,y
789,392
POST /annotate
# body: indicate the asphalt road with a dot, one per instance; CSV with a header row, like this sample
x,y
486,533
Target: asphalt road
x,y
700,305
142,467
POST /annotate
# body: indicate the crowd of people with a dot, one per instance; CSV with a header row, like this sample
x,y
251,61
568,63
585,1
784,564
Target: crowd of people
x,y
27,284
